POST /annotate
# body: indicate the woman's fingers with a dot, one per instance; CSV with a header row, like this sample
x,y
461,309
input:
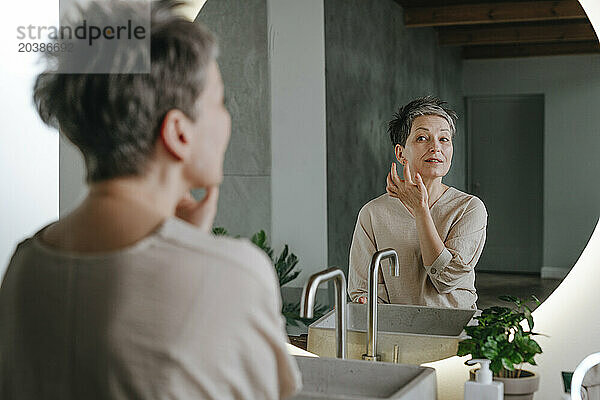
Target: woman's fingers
x,y
407,175
211,198
391,191
420,182
395,177
391,188
389,180
200,213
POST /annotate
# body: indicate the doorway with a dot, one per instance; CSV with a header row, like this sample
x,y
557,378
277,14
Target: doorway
x,y
505,169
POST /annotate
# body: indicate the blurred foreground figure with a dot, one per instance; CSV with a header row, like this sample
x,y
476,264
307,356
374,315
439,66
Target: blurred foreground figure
x,y
130,296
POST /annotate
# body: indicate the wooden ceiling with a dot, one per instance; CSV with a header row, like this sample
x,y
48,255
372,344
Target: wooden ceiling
x,y
501,28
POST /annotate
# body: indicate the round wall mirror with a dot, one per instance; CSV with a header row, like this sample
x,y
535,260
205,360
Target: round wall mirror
x,y
521,77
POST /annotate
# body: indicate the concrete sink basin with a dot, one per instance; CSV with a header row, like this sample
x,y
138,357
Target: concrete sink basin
x,y
422,334
332,378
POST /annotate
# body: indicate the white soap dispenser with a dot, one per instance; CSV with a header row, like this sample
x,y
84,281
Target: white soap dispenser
x,y
483,388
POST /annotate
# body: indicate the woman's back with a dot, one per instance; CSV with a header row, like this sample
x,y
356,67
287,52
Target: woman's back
x,y
180,314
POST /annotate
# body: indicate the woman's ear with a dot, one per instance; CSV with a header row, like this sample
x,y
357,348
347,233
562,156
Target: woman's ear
x,y
399,150
175,134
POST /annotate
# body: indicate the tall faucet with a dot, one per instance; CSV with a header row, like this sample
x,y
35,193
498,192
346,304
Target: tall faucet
x,y
379,256
308,303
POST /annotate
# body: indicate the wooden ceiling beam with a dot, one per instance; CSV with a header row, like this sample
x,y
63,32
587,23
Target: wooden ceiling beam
x,y
489,13
443,3
530,50
516,33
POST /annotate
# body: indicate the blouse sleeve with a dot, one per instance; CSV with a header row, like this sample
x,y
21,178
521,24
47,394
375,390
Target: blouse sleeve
x,y
463,247
361,251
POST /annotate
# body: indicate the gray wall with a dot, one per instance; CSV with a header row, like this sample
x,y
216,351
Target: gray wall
x,y
571,87
273,66
71,183
245,195
373,66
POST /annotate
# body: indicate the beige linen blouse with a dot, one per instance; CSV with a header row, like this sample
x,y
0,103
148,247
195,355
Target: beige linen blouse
x,y
180,315
385,222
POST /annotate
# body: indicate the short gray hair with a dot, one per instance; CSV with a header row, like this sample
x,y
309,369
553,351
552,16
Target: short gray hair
x,y
401,123
115,119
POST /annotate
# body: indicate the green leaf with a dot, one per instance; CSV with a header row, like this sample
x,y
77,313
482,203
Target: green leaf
x,y
496,310
538,334
465,347
259,239
285,264
529,318
516,358
219,231
283,255
490,348
507,364
291,312
496,366
510,299
488,353
472,330
289,278
529,345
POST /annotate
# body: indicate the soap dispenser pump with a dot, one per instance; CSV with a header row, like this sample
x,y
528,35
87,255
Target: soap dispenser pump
x,y
484,387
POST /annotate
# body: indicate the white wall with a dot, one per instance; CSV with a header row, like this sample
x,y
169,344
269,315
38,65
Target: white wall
x,y
569,316
571,86
298,137
28,149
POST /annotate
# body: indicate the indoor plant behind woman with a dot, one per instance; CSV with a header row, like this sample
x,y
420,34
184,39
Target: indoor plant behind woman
x,y
504,336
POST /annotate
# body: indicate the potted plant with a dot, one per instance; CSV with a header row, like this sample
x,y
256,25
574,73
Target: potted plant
x,y
504,336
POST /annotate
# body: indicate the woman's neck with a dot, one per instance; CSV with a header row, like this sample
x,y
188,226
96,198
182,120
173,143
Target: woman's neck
x,y
435,189
146,195
117,213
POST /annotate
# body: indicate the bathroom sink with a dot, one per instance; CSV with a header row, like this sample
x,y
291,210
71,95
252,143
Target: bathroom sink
x,y
332,378
422,334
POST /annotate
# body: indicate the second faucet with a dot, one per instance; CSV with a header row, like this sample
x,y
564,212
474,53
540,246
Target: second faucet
x,y
371,354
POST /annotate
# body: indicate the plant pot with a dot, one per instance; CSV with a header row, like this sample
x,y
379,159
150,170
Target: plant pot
x,y
521,388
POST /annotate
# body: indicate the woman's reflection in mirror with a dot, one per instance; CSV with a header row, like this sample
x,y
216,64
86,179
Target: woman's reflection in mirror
x,y
437,230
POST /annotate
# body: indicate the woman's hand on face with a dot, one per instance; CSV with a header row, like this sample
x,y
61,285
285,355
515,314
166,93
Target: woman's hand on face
x,y
200,213
412,193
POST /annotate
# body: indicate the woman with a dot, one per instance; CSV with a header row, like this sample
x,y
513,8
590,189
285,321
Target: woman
x,y
437,230
129,296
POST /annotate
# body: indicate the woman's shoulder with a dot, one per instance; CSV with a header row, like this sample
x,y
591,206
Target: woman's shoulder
x,y
466,201
231,255
465,210
382,202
